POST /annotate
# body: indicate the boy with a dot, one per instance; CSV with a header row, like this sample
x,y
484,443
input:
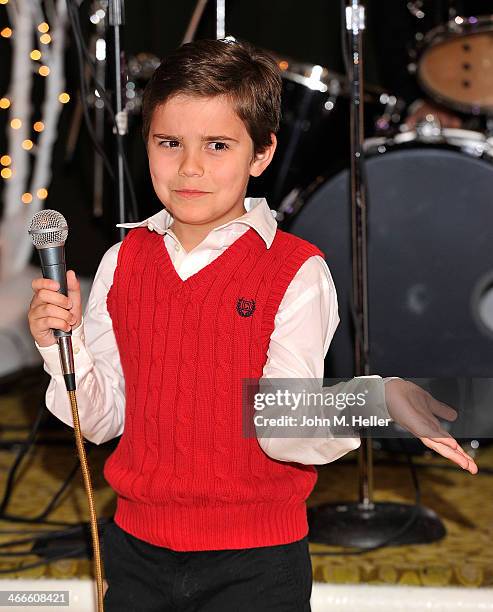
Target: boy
x,y
196,298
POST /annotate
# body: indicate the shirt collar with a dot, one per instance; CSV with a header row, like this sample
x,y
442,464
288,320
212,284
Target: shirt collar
x,y
258,215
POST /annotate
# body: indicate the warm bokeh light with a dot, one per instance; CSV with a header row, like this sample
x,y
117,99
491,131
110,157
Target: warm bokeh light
x,y
27,198
38,126
283,65
6,33
42,193
44,70
64,98
43,27
15,124
45,39
6,173
3,1
27,144
4,102
5,160
35,54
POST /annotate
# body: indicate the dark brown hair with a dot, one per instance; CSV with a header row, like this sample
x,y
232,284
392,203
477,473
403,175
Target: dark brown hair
x,y
204,68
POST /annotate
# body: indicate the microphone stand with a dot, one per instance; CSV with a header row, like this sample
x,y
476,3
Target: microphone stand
x,y
220,19
364,523
116,20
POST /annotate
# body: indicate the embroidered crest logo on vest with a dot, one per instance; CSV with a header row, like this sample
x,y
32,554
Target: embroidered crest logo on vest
x,y
244,307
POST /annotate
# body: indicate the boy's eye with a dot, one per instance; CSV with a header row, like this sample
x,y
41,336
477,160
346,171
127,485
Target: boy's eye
x,y
168,144
223,146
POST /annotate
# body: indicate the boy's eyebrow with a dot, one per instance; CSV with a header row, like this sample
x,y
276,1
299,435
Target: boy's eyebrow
x,y
208,138
204,138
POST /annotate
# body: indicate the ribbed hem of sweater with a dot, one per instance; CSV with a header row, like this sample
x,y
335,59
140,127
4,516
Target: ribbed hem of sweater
x,y
183,528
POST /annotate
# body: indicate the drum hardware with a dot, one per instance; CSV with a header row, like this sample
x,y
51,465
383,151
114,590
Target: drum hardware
x,y
140,68
334,93
315,110
429,127
392,114
323,79
470,142
220,18
416,9
301,123
489,127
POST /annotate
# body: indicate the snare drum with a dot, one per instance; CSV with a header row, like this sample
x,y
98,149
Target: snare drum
x,y
430,255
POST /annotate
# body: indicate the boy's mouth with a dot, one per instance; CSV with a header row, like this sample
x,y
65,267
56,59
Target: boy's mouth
x,y
190,193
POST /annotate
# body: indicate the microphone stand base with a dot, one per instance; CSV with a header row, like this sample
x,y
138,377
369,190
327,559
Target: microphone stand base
x,y
365,526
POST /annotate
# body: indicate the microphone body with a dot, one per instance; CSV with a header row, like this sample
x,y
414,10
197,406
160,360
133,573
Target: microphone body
x,y
52,258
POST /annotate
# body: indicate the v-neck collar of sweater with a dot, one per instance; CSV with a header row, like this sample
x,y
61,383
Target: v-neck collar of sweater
x,y
167,269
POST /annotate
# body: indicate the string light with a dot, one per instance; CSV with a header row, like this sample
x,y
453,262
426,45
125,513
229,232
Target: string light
x,y
16,123
3,1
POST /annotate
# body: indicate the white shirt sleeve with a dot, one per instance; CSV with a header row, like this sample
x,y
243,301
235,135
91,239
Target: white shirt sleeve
x,y
98,372
304,327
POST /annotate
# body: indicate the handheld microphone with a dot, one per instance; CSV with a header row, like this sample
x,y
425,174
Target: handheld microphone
x,y
48,231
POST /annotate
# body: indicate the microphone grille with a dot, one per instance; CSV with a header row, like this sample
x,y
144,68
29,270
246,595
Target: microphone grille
x,y
48,228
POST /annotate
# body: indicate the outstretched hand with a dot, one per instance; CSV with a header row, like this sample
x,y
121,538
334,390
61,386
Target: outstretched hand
x,y
415,409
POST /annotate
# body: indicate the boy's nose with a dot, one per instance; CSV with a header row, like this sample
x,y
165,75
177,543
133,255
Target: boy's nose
x,y
191,165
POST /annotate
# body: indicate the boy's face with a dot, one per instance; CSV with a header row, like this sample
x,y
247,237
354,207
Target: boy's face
x,y
200,159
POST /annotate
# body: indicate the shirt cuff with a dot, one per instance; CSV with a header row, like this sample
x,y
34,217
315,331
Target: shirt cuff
x,y
377,399
51,354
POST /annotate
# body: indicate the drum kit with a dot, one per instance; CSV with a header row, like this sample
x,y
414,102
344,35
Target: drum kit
x,y
453,63
429,202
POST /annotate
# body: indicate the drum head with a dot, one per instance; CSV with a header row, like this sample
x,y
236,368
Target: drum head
x,y
430,236
456,67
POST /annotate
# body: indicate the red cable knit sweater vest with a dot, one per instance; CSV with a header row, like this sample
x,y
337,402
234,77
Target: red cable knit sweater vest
x,y
186,477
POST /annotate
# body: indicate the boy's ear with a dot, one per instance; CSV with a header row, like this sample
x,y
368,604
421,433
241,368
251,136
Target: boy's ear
x,y
263,158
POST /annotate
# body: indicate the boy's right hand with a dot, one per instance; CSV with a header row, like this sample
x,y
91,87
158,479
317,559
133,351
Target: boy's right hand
x,y
52,310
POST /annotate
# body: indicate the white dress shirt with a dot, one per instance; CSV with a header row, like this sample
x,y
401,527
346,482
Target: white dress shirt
x,y
304,326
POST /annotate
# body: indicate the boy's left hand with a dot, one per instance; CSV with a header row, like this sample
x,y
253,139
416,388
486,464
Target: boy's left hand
x,y
414,409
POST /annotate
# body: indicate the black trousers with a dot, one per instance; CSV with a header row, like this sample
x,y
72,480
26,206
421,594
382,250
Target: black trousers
x,y
146,578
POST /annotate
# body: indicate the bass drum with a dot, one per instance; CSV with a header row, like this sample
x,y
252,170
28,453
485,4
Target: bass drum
x,y
430,259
